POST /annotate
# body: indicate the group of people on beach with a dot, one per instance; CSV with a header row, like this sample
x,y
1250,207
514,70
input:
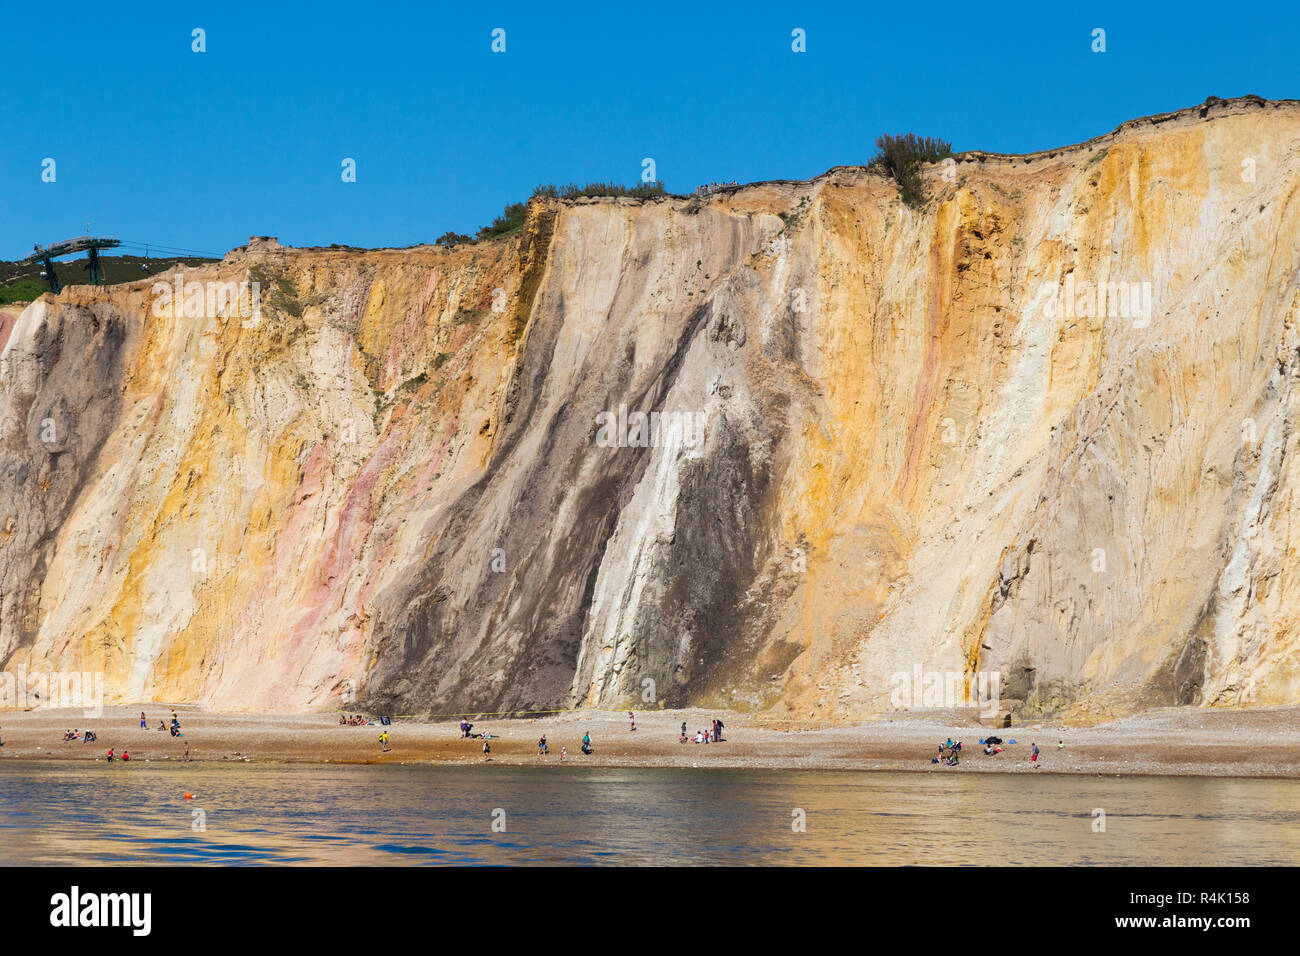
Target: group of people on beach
x,y
354,720
543,748
174,728
711,736
949,753
75,734
950,750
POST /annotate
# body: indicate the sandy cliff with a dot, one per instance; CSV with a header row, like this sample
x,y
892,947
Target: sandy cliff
x,y
1044,427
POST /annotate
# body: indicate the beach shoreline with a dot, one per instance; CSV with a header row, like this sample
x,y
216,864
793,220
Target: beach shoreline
x,y
1168,742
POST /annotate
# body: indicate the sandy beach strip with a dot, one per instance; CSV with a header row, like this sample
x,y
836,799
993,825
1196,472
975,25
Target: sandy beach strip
x,y
1172,741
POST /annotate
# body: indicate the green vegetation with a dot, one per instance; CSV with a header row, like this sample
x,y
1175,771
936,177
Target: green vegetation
x,y
450,238
22,282
901,157
791,219
24,290
284,298
573,190
508,223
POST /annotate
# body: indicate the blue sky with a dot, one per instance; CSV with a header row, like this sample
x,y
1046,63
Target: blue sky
x,y
155,142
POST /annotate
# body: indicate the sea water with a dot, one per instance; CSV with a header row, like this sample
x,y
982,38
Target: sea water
x,y
101,813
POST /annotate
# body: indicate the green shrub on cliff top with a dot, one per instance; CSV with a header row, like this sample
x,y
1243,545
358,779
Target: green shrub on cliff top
x,y
511,220
573,190
901,157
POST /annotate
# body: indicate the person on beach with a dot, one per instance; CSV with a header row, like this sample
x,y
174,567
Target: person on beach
x,y
718,725
144,724
631,719
541,746
1033,756
564,752
383,742
110,755
1060,745
683,728
126,755
487,747
586,743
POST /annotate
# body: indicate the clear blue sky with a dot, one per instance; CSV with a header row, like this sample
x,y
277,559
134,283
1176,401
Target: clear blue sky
x,y
201,150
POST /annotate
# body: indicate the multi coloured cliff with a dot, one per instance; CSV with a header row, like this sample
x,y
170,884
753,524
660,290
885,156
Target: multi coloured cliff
x,y
768,448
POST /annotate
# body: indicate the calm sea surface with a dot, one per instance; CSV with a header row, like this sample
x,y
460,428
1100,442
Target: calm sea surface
x,y
64,813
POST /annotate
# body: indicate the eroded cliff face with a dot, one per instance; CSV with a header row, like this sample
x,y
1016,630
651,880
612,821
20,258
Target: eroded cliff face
x,y
928,440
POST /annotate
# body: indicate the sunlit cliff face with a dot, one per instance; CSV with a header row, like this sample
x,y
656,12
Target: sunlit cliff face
x,y
772,448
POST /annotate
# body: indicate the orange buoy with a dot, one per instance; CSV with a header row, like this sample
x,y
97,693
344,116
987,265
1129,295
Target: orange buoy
x,y
189,796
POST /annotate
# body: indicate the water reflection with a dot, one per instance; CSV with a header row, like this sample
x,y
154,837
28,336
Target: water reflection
x,y
60,813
